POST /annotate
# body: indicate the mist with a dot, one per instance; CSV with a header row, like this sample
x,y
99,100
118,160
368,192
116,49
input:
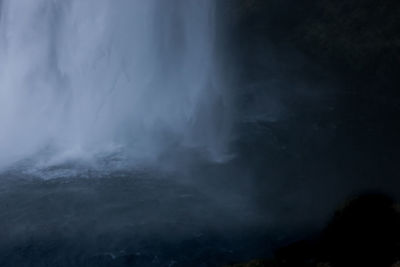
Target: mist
x,y
195,132
81,80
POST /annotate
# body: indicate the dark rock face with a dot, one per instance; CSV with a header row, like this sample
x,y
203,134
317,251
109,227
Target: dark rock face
x,y
364,232
361,35
359,42
357,37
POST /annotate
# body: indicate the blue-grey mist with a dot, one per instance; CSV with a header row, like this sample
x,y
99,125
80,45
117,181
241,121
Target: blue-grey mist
x,y
83,79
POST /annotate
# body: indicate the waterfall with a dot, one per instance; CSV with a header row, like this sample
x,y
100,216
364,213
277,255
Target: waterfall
x,y
82,78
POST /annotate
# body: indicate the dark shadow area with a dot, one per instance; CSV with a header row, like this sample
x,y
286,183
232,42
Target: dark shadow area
x,y
319,93
363,232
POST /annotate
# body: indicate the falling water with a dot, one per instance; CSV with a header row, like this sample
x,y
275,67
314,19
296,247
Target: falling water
x,y
82,78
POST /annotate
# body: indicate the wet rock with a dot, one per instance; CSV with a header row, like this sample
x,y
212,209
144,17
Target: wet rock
x,y
258,263
365,231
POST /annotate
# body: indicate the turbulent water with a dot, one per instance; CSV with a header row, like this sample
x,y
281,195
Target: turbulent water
x,y
83,79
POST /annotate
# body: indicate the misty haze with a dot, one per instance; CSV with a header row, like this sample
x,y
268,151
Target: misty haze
x,y
199,133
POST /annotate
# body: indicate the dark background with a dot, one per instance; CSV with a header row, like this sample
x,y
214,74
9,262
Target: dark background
x,y
318,99
318,104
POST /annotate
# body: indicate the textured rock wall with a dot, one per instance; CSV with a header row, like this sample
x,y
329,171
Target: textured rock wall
x,y
357,37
